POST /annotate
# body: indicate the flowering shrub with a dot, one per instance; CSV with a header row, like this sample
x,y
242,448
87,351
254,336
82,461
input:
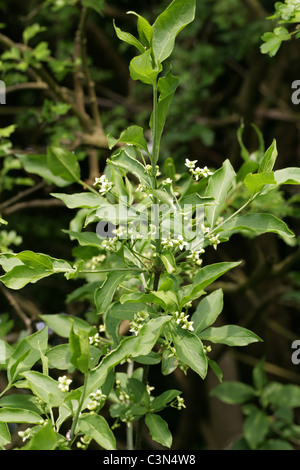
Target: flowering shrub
x,y
146,275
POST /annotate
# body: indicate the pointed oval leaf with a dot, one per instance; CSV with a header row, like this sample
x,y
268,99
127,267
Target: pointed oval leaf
x,y
98,429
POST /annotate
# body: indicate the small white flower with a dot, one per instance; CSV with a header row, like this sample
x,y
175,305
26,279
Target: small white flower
x,y
200,172
166,182
95,340
195,257
138,321
182,320
190,164
214,240
63,383
109,244
149,389
104,185
25,434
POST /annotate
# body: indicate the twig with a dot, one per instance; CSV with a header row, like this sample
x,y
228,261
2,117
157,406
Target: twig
x,y
11,299
34,203
22,194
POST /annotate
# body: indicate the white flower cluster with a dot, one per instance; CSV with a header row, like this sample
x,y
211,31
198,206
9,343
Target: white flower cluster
x,y
213,239
167,181
182,320
179,403
141,188
138,321
63,383
95,400
83,442
95,340
110,244
103,184
149,388
178,242
149,170
93,262
122,395
27,434
197,172
195,257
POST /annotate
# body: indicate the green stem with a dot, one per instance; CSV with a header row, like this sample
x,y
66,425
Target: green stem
x,y
80,405
154,160
234,214
138,270
155,136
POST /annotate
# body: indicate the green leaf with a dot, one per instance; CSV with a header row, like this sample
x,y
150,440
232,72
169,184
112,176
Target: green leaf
x,y
276,444
45,388
149,334
203,278
85,238
19,276
61,324
6,350
4,434
133,135
232,335
63,163
128,38
289,175
256,427
32,31
273,40
168,24
125,349
17,400
27,353
257,181
96,427
233,392
80,349
44,439
79,200
7,131
166,87
37,164
190,351
168,300
126,159
159,429
105,293
168,363
259,375
142,68
127,311
257,224
207,311
139,391
16,415
151,358
164,399
169,262
30,267
269,159
216,369
287,395
144,29
218,186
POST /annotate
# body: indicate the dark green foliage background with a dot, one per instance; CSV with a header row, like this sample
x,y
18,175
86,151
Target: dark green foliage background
x,y
224,79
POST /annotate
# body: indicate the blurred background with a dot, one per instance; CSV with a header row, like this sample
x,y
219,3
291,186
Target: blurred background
x,y
225,81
